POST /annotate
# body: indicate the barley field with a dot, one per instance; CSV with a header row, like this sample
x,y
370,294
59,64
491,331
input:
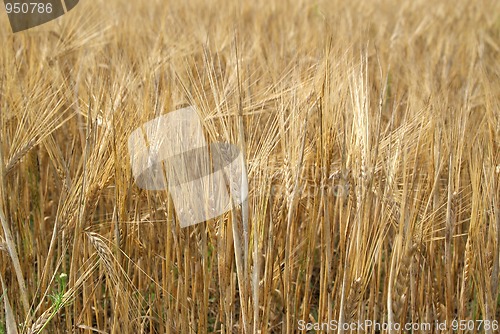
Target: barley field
x,y
370,132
